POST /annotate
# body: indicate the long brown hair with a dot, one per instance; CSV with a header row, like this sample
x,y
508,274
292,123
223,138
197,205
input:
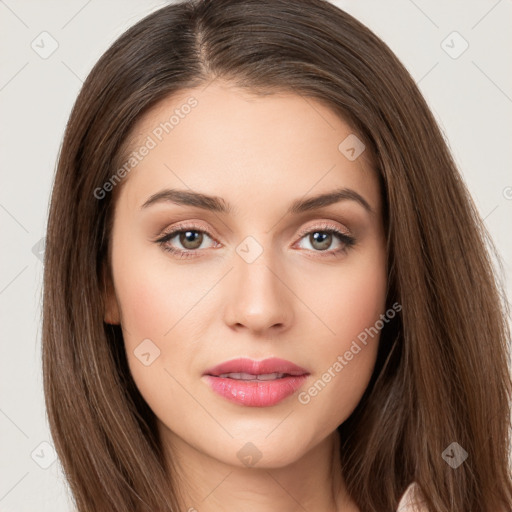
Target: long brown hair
x,y
441,374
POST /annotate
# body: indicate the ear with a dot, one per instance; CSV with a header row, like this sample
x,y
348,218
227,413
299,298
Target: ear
x,y
111,306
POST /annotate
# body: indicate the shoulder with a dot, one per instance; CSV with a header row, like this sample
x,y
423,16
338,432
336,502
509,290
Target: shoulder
x,y
412,500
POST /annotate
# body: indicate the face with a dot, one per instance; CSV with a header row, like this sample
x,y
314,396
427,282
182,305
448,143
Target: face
x,y
262,271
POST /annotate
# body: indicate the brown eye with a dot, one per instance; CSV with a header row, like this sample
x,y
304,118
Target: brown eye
x,y
184,242
191,239
320,240
327,240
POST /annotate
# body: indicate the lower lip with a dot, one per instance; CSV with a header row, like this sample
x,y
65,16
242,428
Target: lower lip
x,y
262,393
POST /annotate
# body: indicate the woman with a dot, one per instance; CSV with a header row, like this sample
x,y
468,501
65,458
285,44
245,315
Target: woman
x,y
266,285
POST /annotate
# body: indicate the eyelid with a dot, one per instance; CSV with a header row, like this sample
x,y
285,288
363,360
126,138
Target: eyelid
x,y
323,224
184,225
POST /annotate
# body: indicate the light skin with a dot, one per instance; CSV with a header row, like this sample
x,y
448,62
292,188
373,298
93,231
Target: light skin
x,y
294,301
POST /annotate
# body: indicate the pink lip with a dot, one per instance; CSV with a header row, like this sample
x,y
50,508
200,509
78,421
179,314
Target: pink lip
x,y
245,365
256,393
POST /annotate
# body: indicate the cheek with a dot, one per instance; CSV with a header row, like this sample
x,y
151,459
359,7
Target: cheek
x,y
351,307
164,308
146,310
154,295
154,307
347,299
361,298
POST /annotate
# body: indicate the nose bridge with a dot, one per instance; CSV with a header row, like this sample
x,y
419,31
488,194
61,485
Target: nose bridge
x,y
257,296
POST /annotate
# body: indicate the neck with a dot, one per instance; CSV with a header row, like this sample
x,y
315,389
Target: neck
x,y
312,482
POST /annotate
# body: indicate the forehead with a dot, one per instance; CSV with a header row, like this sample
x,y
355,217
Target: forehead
x,y
225,141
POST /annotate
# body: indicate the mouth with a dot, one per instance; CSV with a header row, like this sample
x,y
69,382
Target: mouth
x,y
255,383
252,378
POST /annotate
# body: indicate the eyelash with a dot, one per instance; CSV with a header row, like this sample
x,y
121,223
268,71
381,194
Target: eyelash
x,y
346,240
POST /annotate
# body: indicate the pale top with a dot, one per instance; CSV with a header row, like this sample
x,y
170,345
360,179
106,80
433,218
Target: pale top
x,y
412,496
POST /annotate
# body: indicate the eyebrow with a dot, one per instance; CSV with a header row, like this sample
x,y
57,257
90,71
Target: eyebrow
x,y
220,205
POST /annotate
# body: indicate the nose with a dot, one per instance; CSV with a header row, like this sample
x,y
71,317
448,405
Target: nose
x,y
258,297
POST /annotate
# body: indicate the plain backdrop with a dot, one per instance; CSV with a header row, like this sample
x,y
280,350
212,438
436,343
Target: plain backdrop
x,y
468,89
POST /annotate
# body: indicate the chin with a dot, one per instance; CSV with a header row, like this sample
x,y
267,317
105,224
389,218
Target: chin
x,y
266,449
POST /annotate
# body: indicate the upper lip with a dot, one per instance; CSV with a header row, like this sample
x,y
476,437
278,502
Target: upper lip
x,y
253,367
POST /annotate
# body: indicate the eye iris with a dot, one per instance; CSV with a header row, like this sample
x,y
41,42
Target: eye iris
x,y
323,237
189,239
